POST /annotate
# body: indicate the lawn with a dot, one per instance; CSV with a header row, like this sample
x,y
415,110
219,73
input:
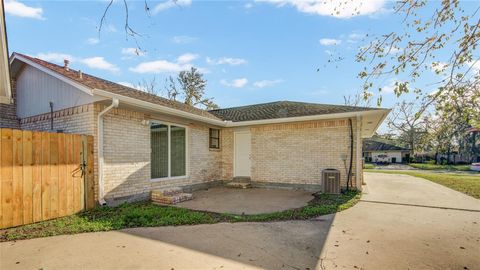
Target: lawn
x,y
424,166
465,183
368,166
146,214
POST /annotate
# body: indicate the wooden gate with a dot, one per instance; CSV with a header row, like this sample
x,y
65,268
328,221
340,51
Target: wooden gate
x,y
44,175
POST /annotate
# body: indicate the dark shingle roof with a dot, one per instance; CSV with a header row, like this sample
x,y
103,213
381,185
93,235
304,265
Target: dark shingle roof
x,y
99,83
371,145
281,109
273,110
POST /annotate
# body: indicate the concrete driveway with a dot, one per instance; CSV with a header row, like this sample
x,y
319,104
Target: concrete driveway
x,y
402,223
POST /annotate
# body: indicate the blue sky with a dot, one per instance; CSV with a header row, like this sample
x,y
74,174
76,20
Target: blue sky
x,y
250,51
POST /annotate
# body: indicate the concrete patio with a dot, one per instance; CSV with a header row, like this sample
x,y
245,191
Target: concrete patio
x,y
247,201
393,227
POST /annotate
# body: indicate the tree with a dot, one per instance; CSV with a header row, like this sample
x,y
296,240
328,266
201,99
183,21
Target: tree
x,y
408,124
450,29
190,89
363,99
193,85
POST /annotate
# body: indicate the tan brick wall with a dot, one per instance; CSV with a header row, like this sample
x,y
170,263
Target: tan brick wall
x,y
8,112
127,156
294,153
227,153
78,120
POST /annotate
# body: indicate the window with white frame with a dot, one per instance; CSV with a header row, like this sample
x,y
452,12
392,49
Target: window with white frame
x,y
169,150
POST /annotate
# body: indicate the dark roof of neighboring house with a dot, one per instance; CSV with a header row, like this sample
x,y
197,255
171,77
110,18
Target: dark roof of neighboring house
x,y
281,109
371,145
99,83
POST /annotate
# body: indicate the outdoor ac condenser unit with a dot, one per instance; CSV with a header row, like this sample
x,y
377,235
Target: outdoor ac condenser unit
x,y
331,181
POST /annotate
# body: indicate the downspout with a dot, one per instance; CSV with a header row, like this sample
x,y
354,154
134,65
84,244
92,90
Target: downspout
x,y
349,176
101,194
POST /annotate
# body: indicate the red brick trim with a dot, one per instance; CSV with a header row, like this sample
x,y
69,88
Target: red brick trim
x,y
57,114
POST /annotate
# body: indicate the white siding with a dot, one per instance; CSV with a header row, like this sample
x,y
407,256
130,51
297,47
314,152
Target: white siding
x,y
379,156
35,90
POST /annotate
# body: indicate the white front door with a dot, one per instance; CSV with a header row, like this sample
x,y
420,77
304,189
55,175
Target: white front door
x,y
242,153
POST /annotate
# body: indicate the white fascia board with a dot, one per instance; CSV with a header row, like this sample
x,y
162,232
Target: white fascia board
x,y
50,72
192,116
305,118
159,108
385,113
6,96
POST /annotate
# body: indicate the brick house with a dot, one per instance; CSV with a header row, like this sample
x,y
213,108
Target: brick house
x,y
148,142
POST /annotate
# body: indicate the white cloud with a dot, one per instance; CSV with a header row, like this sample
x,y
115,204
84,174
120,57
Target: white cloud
x,y
127,84
183,39
131,52
329,41
391,86
438,67
266,83
248,5
96,62
55,57
183,62
93,41
355,37
334,8
15,8
170,4
226,61
187,58
159,66
236,83
99,62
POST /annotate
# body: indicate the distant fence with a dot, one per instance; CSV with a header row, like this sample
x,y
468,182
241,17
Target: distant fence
x,y
44,175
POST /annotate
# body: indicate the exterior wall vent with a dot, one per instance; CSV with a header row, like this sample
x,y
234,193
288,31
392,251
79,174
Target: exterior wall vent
x,y
331,181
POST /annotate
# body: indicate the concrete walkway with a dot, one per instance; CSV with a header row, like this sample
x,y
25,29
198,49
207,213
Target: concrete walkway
x,y
402,223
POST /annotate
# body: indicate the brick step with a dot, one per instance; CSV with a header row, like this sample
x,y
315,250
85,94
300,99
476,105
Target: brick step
x,y
234,184
172,199
168,191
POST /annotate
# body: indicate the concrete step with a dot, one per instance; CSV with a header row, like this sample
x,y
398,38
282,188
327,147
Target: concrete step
x,y
234,184
171,195
241,179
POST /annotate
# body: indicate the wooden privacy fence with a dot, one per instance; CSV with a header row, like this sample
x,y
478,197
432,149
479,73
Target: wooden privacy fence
x,y
44,175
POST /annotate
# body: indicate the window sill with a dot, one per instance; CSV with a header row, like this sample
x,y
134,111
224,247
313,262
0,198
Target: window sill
x,y
168,178
215,149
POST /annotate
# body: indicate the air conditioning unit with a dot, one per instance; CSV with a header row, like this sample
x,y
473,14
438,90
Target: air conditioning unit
x,y
331,181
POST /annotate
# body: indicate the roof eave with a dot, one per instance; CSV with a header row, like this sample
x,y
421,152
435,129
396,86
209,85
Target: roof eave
x,y
53,73
158,108
6,94
310,118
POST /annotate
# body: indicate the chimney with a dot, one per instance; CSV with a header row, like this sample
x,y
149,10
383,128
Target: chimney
x,y
66,62
80,74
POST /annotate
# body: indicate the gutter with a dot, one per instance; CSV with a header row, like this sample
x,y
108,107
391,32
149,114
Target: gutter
x,y
222,123
101,190
159,108
307,118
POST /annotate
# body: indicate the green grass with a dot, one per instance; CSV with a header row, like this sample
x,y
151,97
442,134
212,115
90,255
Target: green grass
x,y
368,166
465,183
424,166
150,215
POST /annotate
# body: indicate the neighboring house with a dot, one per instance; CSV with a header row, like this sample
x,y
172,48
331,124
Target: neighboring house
x,y
380,152
144,142
5,92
